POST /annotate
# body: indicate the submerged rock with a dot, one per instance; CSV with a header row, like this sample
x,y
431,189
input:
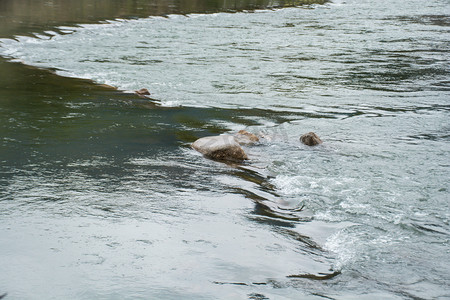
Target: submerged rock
x,y
244,137
310,139
142,92
221,147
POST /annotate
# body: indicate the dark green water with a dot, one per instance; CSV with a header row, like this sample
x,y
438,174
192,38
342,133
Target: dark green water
x,y
101,196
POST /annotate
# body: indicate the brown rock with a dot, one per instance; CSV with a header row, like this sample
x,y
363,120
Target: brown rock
x,y
222,147
142,92
244,137
310,139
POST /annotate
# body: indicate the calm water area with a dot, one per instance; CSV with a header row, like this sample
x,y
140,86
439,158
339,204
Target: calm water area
x,y
101,196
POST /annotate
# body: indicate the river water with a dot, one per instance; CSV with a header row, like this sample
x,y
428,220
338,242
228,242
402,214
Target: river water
x,y
102,198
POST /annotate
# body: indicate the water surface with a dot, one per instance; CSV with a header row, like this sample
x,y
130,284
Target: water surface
x,y
102,197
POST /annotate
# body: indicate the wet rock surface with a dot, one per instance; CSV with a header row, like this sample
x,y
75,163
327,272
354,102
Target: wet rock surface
x,y
244,137
222,147
310,139
142,92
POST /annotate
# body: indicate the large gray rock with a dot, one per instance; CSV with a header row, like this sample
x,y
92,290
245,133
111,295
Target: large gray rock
x,y
221,147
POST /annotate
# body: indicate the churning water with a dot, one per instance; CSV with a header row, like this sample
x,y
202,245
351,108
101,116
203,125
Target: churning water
x,y
105,200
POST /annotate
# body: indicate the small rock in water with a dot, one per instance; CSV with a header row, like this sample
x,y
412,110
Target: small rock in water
x,y
222,147
244,137
310,139
142,92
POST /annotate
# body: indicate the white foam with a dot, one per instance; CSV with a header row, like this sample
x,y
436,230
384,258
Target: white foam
x,y
343,246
